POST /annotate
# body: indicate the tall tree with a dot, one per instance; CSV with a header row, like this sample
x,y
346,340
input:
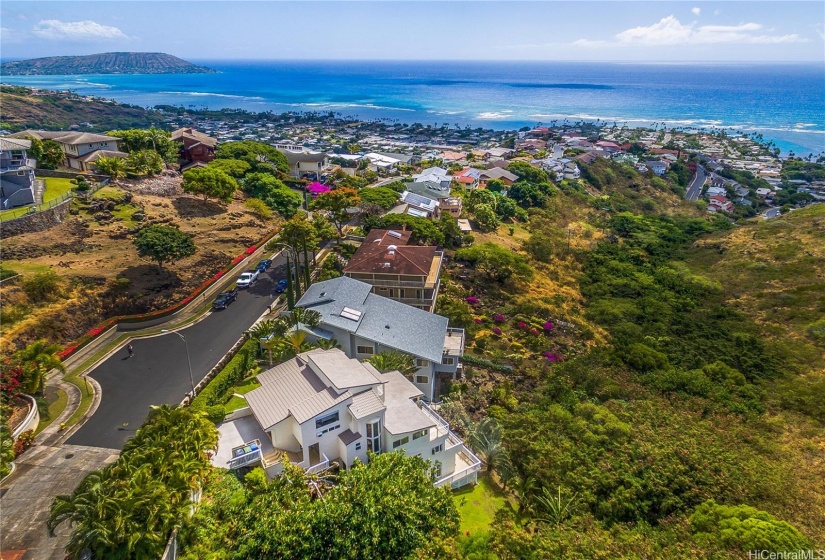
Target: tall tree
x,y
164,244
113,167
336,203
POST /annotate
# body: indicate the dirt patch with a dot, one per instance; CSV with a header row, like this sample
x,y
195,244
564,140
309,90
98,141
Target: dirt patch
x,y
19,410
94,252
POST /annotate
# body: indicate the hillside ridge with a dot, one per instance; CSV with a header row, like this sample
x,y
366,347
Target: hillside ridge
x,y
104,63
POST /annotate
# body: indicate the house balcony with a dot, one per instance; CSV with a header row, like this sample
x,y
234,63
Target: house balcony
x,y
442,427
454,343
467,467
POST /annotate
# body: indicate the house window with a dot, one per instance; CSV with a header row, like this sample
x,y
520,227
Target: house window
x,y
421,434
365,350
437,469
438,449
358,446
401,294
399,442
326,420
421,379
421,363
374,436
448,361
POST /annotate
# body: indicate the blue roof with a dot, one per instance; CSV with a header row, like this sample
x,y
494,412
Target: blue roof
x,y
376,318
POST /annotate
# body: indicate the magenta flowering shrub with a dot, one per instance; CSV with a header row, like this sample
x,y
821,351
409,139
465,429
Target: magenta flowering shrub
x,y
497,331
472,300
548,327
550,356
478,320
499,318
522,325
534,332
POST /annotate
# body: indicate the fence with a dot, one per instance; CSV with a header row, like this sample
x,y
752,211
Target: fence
x,y
17,213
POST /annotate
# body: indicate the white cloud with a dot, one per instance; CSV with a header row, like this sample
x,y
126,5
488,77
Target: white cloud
x,y
696,11
56,30
670,31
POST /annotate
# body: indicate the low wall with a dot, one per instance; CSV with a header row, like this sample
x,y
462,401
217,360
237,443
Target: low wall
x,y
69,175
240,413
36,221
32,418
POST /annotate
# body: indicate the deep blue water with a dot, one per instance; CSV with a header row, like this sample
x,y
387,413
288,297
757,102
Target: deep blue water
x,y
786,103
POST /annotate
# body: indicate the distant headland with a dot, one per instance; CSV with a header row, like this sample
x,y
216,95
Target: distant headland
x,y
104,63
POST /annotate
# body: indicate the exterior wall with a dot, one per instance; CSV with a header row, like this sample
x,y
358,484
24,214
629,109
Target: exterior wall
x,y
83,149
328,441
283,435
37,221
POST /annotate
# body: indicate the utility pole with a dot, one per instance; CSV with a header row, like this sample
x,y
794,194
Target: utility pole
x,y
290,298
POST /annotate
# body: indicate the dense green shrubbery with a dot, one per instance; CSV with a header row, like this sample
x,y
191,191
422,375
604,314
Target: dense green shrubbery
x,y
216,392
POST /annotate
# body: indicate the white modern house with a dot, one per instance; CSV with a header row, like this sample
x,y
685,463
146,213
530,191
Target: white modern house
x,y
365,323
323,408
16,173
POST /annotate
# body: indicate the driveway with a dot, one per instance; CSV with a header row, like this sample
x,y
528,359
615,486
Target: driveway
x,y
158,372
42,473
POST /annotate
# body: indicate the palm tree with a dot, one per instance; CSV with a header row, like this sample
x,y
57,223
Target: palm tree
x,y
268,334
393,361
330,344
486,441
306,317
293,343
37,359
114,167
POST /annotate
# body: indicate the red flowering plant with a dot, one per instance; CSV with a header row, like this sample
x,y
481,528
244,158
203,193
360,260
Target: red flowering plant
x,y
499,318
11,375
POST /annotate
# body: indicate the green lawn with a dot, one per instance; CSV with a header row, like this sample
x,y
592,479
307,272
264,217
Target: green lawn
x,y
55,188
50,407
237,402
478,504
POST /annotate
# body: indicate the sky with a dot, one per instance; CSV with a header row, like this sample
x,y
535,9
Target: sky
x,y
662,31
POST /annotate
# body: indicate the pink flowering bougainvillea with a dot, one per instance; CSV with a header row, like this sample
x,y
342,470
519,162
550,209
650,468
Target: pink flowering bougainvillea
x,y
522,325
534,332
548,327
478,320
497,331
550,356
499,318
472,300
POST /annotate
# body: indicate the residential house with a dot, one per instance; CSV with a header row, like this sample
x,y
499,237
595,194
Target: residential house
x,y
79,148
587,158
420,197
453,157
658,167
417,205
437,175
571,171
16,173
467,177
306,163
718,203
500,153
365,323
323,408
396,270
720,191
196,147
497,173
763,192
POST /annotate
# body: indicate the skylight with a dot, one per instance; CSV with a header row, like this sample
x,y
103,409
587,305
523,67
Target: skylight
x,y
351,314
395,234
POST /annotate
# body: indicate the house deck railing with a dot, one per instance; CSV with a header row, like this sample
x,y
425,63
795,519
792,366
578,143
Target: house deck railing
x,y
320,467
466,475
246,454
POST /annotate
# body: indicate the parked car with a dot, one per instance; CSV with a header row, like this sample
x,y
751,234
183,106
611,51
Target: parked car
x,y
225,298
280,287
248,278
264,265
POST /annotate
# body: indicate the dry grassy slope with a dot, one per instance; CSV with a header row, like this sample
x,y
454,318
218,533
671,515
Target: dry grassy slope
x,y
91,257
20,110
774,272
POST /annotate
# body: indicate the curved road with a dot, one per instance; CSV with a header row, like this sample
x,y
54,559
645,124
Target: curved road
x,y
695,188
158,372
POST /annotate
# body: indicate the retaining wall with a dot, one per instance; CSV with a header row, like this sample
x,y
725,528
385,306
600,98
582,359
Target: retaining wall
x,y
36,221
32,418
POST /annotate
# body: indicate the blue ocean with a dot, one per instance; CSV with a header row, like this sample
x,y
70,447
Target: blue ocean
x,y
785,103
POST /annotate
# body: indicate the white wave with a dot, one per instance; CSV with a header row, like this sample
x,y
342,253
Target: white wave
x,y
495,115
207,94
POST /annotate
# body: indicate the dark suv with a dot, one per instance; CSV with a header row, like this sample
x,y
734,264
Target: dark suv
x,y
224,299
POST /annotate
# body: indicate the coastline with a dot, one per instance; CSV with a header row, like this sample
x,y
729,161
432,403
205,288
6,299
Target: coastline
x,y
490,96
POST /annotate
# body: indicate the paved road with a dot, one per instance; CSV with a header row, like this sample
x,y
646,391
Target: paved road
x,y
158,373
695,187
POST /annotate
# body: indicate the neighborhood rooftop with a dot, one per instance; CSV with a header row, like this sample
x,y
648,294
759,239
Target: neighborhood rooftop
x,y
377,318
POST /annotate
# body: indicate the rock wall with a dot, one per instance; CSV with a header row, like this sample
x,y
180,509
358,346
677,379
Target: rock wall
x,y
37,221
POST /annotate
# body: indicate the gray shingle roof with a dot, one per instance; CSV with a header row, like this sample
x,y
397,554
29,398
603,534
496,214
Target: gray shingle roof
x,y
390,323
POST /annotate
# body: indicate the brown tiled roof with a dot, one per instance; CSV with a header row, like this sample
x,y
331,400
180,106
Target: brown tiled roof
x,y
195,135
375,255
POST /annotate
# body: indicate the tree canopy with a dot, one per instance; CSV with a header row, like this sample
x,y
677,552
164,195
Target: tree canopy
x,y
335,203
164,244
256,154
273,192
496,262
388,508
209,182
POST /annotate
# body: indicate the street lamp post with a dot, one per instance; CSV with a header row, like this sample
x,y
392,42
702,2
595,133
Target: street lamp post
x,y
188,359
